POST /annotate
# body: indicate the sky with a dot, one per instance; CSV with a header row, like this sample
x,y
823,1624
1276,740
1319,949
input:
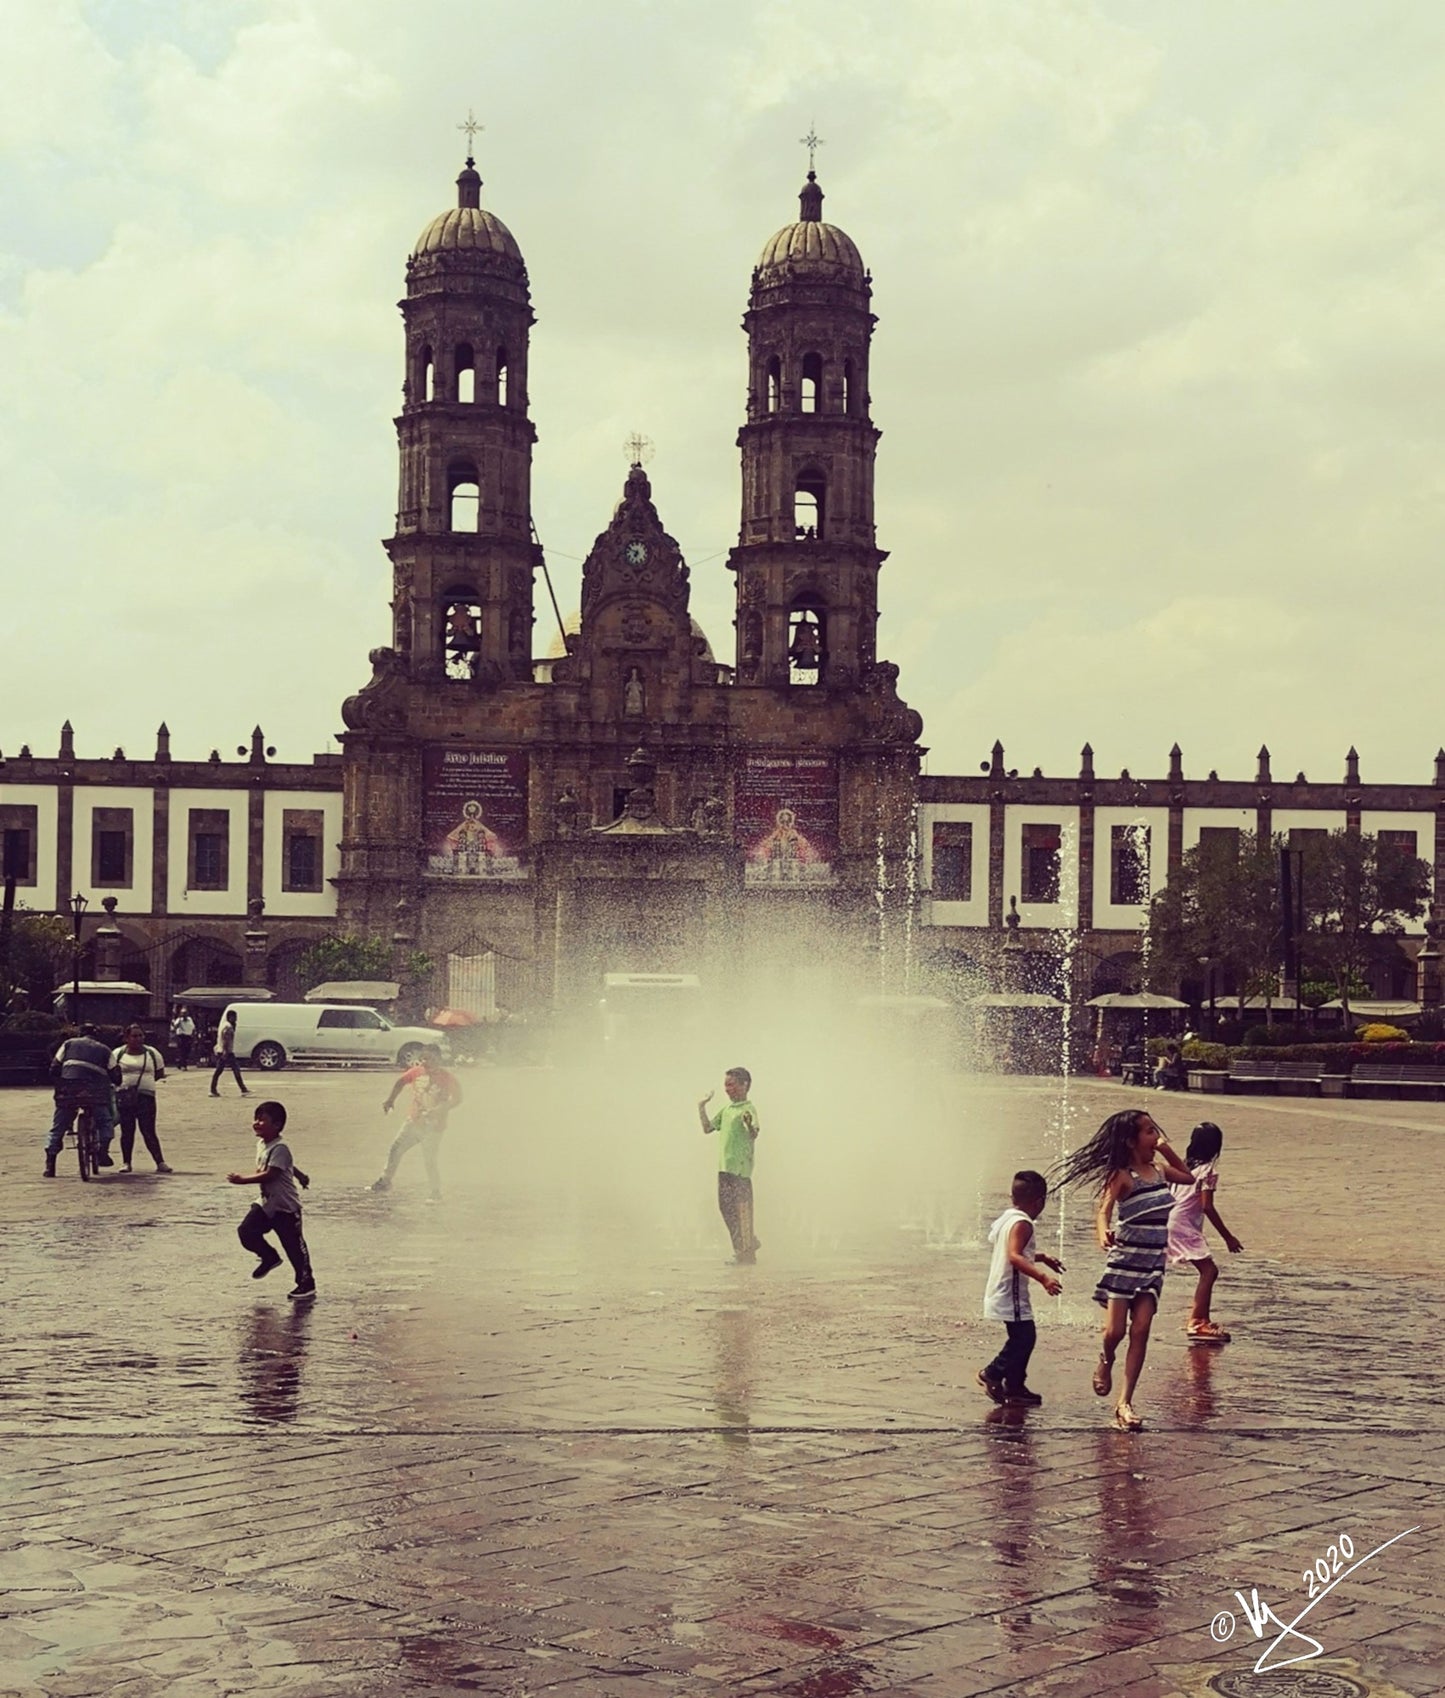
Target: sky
x,y
1159,363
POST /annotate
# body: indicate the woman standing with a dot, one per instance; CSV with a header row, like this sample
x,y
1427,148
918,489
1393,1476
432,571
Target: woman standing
x,y
135,1067
1134,1168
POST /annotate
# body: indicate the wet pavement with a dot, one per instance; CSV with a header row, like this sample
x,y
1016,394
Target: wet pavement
x,y
541,1438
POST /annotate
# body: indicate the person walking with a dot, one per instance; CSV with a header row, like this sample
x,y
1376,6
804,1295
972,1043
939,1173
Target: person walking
x,y
279,1209
135,1067
226,1054
183,1036
737,1125
1134,1167
434,1094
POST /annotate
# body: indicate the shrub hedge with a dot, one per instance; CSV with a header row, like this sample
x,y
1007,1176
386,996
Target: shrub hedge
x,y
1333,1058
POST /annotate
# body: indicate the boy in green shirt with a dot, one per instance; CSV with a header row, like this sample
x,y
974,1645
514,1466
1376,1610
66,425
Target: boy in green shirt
x,y
737,1124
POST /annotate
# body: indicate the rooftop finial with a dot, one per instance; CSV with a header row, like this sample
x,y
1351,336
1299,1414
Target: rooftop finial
x,y
810,198
471,127
812,141
638,449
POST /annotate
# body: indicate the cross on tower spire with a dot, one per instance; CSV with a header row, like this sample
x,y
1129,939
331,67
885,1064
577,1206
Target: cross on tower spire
x,y
812,141
638,449
471,127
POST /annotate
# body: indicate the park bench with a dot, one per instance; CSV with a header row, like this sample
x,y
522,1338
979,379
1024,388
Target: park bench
x,y
1135,1072
1392,1078
1291,1078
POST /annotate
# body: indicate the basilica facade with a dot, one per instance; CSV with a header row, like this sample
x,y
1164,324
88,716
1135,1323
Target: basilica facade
x,y
636,803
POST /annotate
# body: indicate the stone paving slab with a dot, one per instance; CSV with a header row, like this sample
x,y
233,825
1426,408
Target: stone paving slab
x,y
540,1440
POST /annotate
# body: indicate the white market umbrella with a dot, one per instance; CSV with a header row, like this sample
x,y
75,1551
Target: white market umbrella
x,y
1134,999
355,990
1377,1010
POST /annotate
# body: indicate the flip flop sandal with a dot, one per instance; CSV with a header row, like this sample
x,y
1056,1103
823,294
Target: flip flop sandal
x,y
1207,1332
1103,1381
1127,1423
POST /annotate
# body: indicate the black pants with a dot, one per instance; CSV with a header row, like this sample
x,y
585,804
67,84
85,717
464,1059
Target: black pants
x,y
252,1233
138,1109
183,1053
735,1200
221,1066
1011,1365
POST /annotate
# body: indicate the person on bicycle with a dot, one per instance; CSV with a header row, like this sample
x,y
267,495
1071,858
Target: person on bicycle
x,y
81,1071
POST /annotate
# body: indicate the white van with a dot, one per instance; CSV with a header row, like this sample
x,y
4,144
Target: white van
x,y
274,1033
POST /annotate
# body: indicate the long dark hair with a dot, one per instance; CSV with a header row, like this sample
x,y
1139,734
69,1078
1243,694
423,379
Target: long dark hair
x,y
1110,1149
1205,1143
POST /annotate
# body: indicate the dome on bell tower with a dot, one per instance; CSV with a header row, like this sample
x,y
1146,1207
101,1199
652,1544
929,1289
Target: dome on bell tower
x,y
809,247
468,227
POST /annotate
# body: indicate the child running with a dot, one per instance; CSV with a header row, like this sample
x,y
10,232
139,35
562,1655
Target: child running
x,y
279,1209
1194,1203
434,1094
1006,1296
1134,1167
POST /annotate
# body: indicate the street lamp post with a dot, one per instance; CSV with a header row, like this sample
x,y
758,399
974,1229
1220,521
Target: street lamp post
x,y
78,905
1207,963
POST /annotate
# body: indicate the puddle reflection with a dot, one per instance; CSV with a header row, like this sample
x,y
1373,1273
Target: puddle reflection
x,y
271,1359
734,1370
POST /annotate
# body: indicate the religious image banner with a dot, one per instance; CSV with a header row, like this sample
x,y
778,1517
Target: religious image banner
x,y
474,813
785,818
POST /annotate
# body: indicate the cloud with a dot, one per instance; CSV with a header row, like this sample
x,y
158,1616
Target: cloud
x,y
1157,366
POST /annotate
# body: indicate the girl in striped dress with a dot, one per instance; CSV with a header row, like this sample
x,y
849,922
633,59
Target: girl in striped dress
x,y
1134,1167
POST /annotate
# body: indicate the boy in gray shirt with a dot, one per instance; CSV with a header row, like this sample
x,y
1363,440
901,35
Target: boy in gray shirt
x,y
279,1210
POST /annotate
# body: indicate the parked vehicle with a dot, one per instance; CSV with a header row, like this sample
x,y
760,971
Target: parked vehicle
x,y
273,1034
103,1002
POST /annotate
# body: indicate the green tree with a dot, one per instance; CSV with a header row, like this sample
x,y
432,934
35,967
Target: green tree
x,y
344,957
1359,893
1221,906
36,959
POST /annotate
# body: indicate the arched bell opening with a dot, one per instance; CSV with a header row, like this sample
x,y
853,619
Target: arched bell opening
x,y
461,633
464,497
807,640
809,505
466,374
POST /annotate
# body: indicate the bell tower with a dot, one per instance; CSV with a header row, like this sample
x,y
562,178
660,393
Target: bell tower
x,y
807,559
463,553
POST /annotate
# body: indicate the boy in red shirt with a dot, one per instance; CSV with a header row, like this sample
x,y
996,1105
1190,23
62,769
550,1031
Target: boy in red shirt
x,y
434,1094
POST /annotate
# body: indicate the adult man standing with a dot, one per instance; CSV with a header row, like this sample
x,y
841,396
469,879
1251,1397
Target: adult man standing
x,y
81,1071
183,1035
434,1094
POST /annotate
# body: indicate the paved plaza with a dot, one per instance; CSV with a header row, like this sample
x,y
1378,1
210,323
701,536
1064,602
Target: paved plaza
x,y
541,1438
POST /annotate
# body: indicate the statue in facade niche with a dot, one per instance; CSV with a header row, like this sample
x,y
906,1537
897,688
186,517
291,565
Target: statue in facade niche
x,y
634,695
564,813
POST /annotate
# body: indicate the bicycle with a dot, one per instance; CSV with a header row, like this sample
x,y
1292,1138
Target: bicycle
x,y
87,1141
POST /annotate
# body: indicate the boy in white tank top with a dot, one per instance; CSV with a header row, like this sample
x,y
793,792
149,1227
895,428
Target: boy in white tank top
x,y
1006,1296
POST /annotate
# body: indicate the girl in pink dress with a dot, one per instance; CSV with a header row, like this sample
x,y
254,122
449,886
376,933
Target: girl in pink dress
x,y
1194,1203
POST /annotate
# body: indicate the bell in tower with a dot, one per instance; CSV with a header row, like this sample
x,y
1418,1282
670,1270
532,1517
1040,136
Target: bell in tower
x,y
807,559
463,553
